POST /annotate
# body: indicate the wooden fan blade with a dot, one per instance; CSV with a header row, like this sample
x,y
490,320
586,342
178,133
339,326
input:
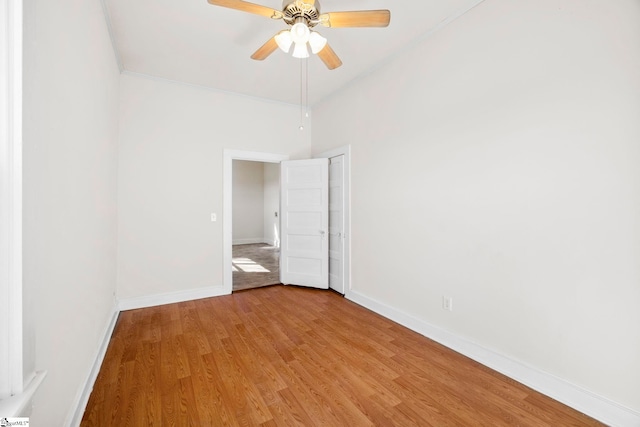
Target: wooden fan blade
x,y
360,18
248,7
329,57
265,50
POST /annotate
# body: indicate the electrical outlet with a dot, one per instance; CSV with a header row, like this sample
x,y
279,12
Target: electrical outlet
x,y
447,303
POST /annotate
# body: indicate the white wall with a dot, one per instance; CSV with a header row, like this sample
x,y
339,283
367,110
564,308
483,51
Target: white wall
x,y
248,202
272,204
70,136
172,138
496,162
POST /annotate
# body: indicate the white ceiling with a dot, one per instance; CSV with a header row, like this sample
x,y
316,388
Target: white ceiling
x,y
194,42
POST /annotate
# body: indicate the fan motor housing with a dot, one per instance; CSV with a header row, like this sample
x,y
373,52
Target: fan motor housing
x,y
299,9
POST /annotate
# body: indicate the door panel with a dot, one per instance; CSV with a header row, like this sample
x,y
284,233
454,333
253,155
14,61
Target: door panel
x,y
336,224
304,252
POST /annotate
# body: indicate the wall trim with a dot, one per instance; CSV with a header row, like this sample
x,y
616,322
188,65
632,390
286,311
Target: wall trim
x,y
20,405
205,88
598,407
12,375
250,241
82,398
133,303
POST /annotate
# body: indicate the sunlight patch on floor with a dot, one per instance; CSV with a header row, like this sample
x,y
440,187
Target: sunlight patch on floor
x,y
248,266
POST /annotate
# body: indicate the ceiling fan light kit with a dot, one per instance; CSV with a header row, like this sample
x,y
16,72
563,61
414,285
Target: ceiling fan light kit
x,y
316,42
300,32
300,51
301,16
284,40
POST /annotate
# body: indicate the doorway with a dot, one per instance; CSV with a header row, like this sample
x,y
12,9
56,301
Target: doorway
x,y
341,284
256,227
229,157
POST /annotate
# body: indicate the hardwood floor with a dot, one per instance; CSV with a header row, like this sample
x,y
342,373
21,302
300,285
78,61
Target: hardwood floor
x,y
280,356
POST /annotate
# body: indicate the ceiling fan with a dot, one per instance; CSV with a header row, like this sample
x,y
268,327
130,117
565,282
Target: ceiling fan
x,y
301,16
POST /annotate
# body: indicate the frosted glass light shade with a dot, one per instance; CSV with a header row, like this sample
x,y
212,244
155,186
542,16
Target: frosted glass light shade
x,y
300,33
317,42
284,40
300,51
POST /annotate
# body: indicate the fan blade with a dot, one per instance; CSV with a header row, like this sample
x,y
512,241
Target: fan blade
x,y
329,57
360,18
248,7
265,50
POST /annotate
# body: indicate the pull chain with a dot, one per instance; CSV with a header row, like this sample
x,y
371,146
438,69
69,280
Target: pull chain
x,y
304,91
301,99
306,82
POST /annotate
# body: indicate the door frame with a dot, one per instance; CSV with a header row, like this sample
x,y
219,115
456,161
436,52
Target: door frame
x,y
11,334
227,204
345,151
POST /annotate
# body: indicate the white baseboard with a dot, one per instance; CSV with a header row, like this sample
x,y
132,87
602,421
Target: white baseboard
x,y
82,399
563,391
170,298
265,240
75,416
248,241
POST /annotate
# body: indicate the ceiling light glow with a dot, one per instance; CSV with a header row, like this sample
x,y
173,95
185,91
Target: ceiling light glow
x,y
300,51
300,33
284,40
317,42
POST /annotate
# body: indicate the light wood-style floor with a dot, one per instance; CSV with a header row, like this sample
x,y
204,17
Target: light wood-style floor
x,y
280,356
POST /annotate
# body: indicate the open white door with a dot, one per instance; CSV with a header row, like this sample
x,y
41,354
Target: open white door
x,y
304,251
336,224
